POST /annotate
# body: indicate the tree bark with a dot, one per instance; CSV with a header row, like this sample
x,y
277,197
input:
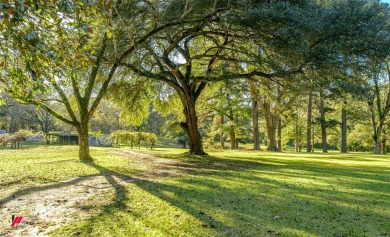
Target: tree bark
x,y
344,129
383,141
232,131
184,126
82,131
279,138
309,119
323,126
270,124
232,139
378,148
377,128
297,142
222,135
376,137
256,137
190,127
196,140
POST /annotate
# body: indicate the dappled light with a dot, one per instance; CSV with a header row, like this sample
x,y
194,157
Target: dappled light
x,y
224,194
194,118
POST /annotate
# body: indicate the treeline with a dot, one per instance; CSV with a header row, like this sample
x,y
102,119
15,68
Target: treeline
x,y
275,60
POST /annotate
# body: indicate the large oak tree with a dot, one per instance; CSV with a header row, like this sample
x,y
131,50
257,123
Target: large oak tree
x,y
67,52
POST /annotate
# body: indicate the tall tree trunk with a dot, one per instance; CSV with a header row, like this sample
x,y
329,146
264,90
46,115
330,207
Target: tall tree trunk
x,y
232,131
377,149
184,126
195,137
82,131
376,128
191,128
279,138
297,142
377,140
278,118
312,138
256,137
46,131
271,139
222,135
323,125
308,130
270,124
343,129
383,141
232,139
383,147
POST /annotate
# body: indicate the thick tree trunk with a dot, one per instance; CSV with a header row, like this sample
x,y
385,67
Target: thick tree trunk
x,y
383,147
271,140
222,135
343,130
256,137
190,127
377,140
82,131
232,131
323,126
377,128
308,130
232,139
383,142
184,126
377,149
195,138
270,124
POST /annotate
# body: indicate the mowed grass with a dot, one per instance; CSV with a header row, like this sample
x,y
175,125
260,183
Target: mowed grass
x,y
228,193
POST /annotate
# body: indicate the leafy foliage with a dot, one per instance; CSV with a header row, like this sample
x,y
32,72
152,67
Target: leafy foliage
x,y
134,138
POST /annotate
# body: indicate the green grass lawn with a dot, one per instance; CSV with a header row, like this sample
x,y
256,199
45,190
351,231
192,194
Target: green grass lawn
x,y
228,193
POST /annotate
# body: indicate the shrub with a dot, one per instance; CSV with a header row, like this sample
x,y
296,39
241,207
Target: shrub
x,y
121,136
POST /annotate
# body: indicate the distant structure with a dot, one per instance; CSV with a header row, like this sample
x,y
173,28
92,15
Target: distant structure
x,y
70,139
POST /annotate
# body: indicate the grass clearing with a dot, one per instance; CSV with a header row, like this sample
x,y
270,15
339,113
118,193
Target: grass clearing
x,y
228,193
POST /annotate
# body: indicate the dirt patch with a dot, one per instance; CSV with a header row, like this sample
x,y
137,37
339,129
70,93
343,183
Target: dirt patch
x,y
47,207
156,167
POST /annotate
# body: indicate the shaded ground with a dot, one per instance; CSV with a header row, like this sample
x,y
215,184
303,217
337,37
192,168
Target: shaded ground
x,y
154,167
50,206
235,193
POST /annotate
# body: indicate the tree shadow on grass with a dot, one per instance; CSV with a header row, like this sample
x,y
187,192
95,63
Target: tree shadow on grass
x,y
242,197
251,203
115,179
29,190
233,197
119,207
266,198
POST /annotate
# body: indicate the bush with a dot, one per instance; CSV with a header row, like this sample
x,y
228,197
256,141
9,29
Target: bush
x,y
15,138
121,136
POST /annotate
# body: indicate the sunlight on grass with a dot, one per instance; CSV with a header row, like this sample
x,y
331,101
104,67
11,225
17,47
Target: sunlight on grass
x,y
228,193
